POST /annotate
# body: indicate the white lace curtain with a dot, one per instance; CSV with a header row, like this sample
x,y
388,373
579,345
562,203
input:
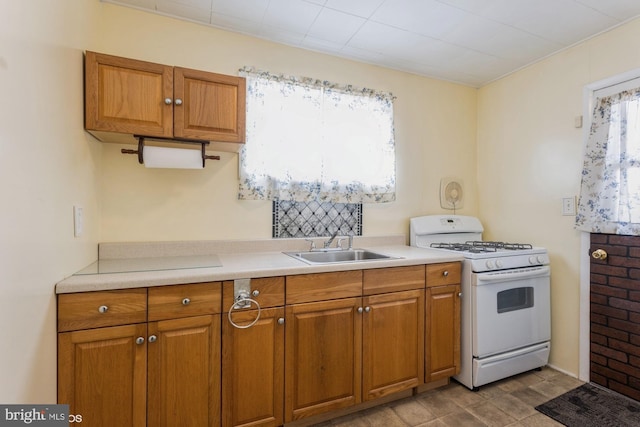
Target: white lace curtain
x,y
315,140
610,191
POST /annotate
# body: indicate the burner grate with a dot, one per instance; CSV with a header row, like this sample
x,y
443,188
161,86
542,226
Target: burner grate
x,y
501,245
463,247
517,246
482,246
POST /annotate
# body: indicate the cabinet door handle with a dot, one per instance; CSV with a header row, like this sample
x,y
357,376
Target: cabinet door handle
x,y
281,321
168,101
153,338
459,294
367,309
360,310
178,101
103,309
140,340
445,273
186,301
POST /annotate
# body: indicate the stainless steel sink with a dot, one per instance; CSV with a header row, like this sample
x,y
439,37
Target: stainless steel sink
x,y
336,256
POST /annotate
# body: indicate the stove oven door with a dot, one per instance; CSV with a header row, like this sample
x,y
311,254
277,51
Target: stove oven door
x,y
511,309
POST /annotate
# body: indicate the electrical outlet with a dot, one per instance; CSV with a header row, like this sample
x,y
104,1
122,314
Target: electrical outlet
x,y
569,206
78,221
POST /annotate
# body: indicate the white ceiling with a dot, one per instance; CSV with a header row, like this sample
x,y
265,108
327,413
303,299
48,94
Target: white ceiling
x,y
471,42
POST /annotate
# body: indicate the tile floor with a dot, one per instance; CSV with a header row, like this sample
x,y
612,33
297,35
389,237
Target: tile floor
x,y
510,402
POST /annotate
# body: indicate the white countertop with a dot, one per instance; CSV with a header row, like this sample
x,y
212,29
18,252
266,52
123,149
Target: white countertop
x,y
240,262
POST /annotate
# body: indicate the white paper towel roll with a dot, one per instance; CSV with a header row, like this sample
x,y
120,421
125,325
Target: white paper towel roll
x,y
174,158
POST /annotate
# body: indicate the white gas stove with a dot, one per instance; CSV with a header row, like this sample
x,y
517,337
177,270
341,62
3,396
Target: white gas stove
x,y
505,300
464,234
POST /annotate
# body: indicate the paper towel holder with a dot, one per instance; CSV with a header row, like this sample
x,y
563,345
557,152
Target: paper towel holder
x,y
141,139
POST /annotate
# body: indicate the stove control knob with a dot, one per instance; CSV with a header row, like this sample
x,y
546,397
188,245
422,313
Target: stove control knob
x,y
490,265
532,260
540,259
499,264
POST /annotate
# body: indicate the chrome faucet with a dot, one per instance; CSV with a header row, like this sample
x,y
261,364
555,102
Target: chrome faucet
x,y
333,236
313,245
340,239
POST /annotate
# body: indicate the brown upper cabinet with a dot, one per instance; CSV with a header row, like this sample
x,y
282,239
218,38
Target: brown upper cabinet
x,y
125,97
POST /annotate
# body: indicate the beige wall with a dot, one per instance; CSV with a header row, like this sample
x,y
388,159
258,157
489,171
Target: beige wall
x,y
530,157
48,163
434,121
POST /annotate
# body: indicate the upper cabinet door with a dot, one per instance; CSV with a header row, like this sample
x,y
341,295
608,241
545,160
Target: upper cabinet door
x,y
128,96
209,106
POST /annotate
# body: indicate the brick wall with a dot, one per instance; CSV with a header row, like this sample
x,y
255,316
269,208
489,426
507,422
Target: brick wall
x,y
615,314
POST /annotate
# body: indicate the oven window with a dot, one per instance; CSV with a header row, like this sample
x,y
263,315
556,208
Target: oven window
x,y
515,299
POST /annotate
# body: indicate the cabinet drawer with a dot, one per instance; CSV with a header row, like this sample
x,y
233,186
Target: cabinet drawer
x,y
103,308
171,302
323,286
447,273
383,280
270,292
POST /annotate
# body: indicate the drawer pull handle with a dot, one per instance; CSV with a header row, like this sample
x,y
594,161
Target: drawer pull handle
x,y
103,309
140,340
186,301
153,338
255,293
445,273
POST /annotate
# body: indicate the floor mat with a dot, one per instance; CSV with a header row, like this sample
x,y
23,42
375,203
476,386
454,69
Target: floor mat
x,y
591,406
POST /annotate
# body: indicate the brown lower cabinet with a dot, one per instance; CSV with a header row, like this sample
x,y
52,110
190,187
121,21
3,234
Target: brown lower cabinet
x,y
393,343
169,356
342,352
115,377
442,353
102,375
165,372
253,369
184,372
323,354
253,354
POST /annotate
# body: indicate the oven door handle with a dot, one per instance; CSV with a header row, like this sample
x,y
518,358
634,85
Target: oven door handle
x,y
507,275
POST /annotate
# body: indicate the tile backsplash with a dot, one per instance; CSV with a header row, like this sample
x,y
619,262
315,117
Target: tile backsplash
x,y
315,219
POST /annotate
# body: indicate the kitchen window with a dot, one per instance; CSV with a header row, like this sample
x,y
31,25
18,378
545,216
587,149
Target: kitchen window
x,y
609,198
310,140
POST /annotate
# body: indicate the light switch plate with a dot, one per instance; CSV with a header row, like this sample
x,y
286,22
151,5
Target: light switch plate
x,y
78,221
577,122
569,206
